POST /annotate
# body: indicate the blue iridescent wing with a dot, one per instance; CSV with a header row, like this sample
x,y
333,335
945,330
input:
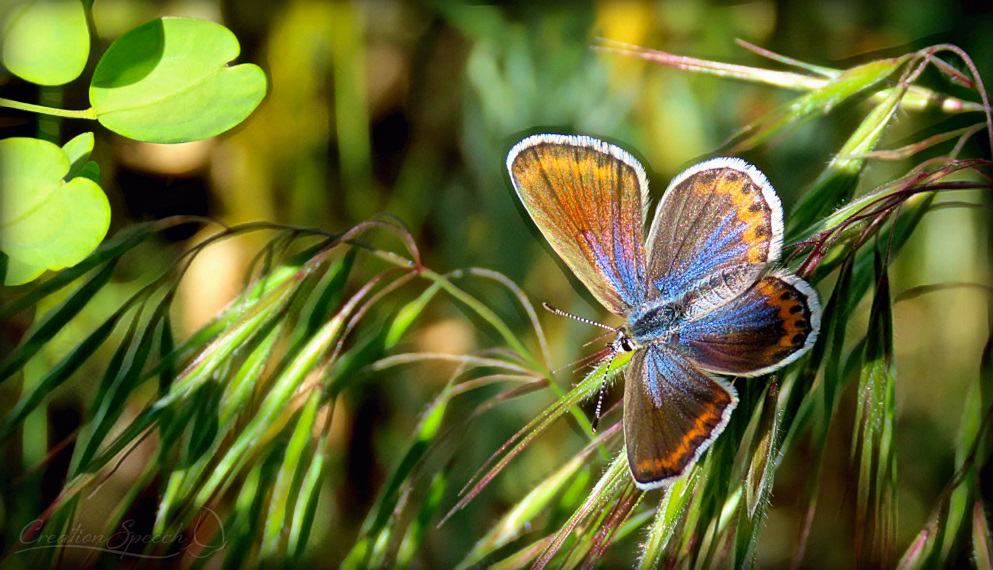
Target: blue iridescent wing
x,y
769,325
673,411
717,214
588,198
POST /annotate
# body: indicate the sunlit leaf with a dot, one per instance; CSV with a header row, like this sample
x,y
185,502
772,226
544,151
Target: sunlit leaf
x,y
46,41
169,81
47,222
78,151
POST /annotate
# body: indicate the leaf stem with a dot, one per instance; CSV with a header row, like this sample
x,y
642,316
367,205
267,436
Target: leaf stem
x,y
85,114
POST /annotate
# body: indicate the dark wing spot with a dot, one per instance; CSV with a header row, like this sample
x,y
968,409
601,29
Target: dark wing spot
x,y
755,207
761,231
708,177
786,295
798,338
802,325
796,309
746,188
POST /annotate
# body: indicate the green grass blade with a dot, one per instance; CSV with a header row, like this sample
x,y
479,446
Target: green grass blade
x,y
670,519
308,501
107,253
56,377
273,546
582,391
972,451
119,382
835,91
837,182
417,531
54,321
512,524
606,491
982,541
873,444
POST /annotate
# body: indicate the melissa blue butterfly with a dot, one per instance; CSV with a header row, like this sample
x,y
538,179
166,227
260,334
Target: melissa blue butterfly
x,y
703,296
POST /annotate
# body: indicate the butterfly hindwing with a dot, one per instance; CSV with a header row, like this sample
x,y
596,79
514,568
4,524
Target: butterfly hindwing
x,y
673,411
720,213
769,325
588,198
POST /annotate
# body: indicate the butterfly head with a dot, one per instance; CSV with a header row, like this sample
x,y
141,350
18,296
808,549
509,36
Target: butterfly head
x,y
624,342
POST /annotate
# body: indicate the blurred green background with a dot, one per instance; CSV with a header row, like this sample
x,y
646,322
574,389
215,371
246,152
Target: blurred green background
x,y
410,108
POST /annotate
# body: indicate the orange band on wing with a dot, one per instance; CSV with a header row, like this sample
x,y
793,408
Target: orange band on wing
x,y
683,452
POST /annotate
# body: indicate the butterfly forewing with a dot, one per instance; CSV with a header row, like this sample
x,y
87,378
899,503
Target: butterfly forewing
x,y
717,214
672,413
588,199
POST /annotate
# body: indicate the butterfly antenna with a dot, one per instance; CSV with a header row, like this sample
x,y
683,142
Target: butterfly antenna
x,y
589,360
599,338
603,388
562,313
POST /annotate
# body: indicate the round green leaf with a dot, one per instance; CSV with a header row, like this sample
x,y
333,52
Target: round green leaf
x,y
45,222
19,273
46,41
80,147
78,151
168,81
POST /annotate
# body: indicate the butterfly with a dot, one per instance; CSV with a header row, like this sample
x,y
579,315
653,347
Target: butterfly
x,y
703,297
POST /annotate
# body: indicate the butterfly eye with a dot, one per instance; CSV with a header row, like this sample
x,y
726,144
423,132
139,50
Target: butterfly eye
x,y
624,344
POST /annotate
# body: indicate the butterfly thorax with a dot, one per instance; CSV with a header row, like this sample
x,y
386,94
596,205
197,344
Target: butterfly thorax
x,y
651,323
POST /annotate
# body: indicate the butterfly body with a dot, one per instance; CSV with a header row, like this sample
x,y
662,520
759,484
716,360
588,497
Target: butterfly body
x,y
654,322
702,295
